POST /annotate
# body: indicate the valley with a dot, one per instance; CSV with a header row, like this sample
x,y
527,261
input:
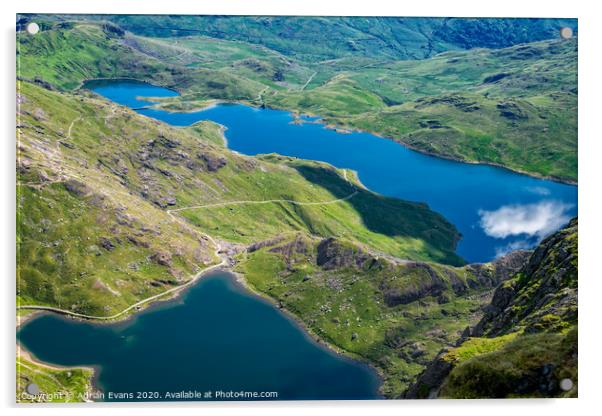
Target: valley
x,y
128,194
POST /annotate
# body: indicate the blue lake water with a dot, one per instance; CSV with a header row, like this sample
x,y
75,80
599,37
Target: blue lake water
x,y
496,210
217,337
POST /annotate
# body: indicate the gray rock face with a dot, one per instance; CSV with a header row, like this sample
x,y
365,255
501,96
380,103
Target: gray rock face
x,y
162,258
430,380
213,162
425,279
540,296
106,243
77,188
297,246
265,243
546,286
431,284
511,111
332,254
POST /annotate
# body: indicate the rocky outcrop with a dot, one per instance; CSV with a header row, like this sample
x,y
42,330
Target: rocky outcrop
x,y
500,269
426,280
334,254
297,246
106,243
213,162
540,299
427,283
543,295
453,100
76,187
511,111
412,281
431,379
162,258
113,30
496,77
265,243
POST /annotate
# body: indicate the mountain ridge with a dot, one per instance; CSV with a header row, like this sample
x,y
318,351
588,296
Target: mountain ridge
x,y
525,345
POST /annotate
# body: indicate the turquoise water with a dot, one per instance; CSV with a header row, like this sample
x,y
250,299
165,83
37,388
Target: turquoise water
x,y
217,337
496,210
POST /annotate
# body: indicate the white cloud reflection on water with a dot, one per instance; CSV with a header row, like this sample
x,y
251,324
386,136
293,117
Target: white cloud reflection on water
x,y
531,221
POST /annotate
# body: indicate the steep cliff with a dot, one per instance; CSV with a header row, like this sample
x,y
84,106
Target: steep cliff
x,y
526,342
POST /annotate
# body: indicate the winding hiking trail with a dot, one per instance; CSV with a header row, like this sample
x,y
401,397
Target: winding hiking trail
x,y
71,126
267,201
64,175
224,262
308,81
218,247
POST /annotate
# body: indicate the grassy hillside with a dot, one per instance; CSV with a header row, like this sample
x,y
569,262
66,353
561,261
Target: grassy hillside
x,y
85,242
114,207
318,38
530,366
395,314
526,342
66,54
387,224
70,53
515,107
58,385
96,182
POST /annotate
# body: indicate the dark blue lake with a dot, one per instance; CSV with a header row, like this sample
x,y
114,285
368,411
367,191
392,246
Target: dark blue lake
x,y
496,210
217,337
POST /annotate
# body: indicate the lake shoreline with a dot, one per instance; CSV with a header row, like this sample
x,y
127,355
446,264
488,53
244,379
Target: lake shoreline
x,y
24,353
247,289
127,315
340,128
241,280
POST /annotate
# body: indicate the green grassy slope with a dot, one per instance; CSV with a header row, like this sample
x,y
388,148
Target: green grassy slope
x,y
240,58
392,226
70,53
318,38
57,385
396,315
86,243
64,55
515,107
96,181
529,366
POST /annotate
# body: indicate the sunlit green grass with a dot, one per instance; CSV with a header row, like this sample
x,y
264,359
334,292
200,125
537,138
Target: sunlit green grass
x,y
55,385
346,306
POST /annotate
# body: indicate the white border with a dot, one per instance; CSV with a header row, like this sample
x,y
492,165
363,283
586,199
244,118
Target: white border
x,y
462,8
590,151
